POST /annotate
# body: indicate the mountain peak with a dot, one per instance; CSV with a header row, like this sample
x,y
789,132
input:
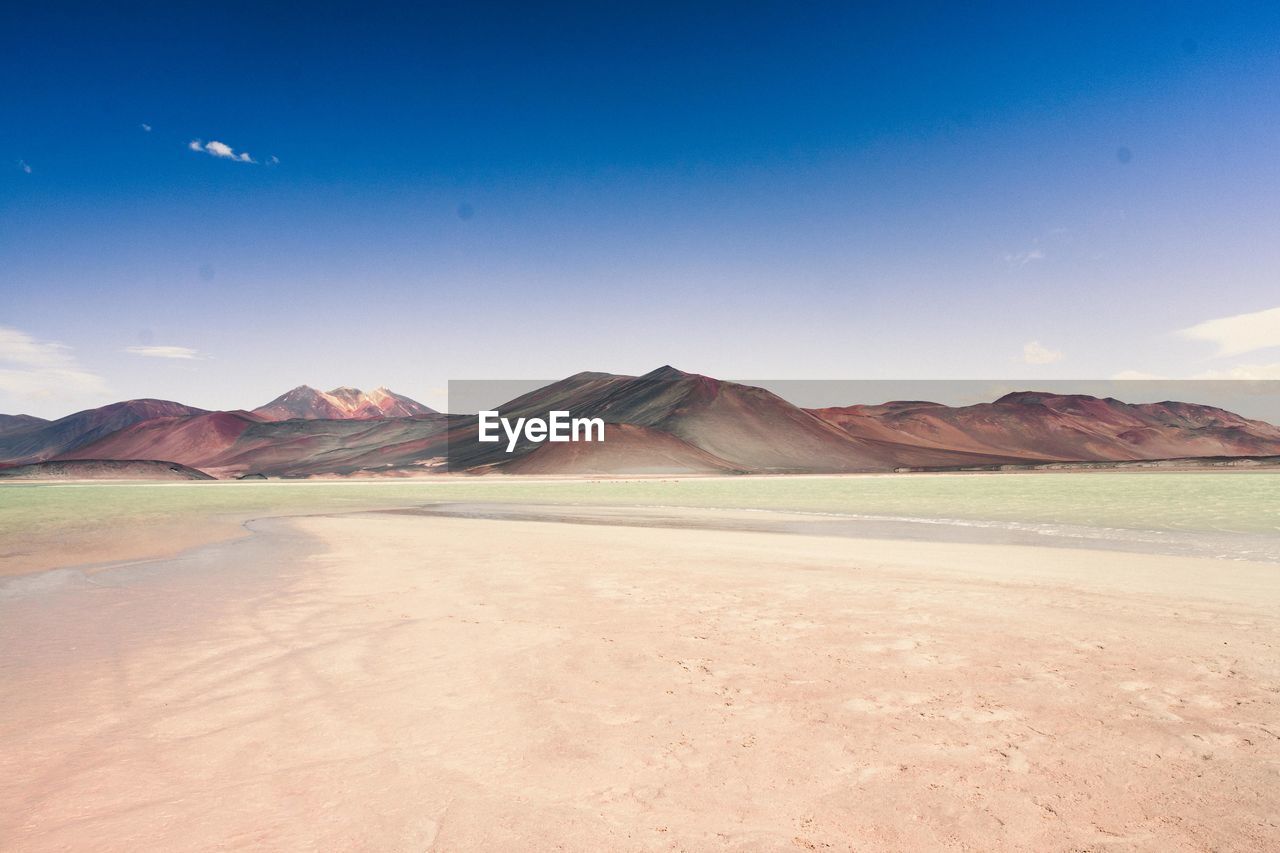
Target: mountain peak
x,y
667,373
341,403
1025,398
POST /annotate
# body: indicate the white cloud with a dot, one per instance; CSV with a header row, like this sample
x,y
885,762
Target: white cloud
x,y
22,164
36,369
1243,371
186,353
146,127
1021,259
274,161
1034,352
1239,334
220,149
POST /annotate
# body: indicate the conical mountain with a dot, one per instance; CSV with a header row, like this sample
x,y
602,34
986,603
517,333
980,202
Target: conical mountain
x,y
340,404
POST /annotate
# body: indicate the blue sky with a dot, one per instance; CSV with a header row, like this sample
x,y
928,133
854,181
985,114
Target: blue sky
x,y
483,191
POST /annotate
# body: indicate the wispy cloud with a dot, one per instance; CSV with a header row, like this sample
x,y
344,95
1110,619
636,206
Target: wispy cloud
x,y
37,369
24,166
1239,334
185,353
145,127
221,150
1054,239
1021,259
1034,352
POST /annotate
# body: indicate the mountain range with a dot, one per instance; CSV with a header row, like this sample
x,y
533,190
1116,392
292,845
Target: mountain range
x,y
664,422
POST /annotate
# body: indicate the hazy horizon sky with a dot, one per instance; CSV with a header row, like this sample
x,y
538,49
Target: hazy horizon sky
x,y
215,203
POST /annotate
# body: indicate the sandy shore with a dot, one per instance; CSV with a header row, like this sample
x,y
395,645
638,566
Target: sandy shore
x,y
105,546
383,681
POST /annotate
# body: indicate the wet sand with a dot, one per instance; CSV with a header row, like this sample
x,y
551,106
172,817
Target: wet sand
x,y
407,682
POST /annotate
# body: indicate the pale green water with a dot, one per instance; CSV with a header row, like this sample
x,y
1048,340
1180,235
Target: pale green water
x,y
1218,503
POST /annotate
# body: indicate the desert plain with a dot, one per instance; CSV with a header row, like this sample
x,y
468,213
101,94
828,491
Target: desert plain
x,y
802,664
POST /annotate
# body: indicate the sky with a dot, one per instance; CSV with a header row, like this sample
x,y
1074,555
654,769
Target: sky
x,y
215,203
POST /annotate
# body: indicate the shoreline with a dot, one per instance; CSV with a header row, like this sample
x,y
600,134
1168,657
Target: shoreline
x,y
46,525
161,544
903,529
219,533
397,477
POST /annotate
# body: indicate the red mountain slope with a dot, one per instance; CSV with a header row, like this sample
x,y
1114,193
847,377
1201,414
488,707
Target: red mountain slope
x,y
42,440
235,443
192,440
1039,426
749,428
627,449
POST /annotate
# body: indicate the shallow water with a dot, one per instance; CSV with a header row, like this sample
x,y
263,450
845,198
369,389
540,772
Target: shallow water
x,y
1224,514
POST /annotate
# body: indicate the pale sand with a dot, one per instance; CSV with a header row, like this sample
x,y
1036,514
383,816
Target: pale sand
x,y
390,682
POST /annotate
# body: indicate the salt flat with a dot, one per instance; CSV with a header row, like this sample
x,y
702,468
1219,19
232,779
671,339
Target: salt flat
x,y
391,681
